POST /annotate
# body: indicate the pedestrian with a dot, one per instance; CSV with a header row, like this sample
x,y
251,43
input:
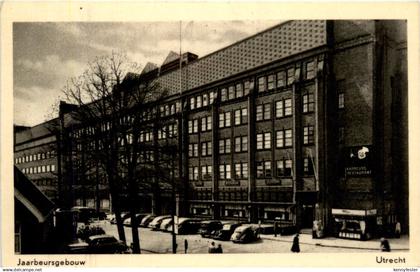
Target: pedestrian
x,y
185,246
385,245
295,246
219,249
397,229
275,229
212,248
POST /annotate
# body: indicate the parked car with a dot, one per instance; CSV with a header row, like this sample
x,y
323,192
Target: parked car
x,y
124,216
86,231
208,227
166,223
188,225
84,214
244,234
139,216
98,244
226,232
155,223
146,220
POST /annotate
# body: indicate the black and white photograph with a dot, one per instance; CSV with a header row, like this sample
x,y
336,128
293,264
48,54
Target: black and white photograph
x,y
230,136
211,137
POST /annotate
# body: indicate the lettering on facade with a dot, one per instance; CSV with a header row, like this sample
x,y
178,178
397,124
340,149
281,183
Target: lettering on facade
x,y
272,182
232,183
358,161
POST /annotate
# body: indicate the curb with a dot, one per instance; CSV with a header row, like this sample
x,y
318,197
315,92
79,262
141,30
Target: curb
x,y
334,246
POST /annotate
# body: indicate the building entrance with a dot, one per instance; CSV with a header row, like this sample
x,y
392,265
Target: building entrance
x,y
307,217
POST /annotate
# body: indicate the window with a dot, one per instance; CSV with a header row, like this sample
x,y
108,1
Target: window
x,y
192,103
223,94
241,170
241,116
239,90
193,150
247,87
224,146
193,173
173,109
284,168
192,126
206,172
279,109
264,140
263,112
310,70
341,100
206,123
280,138
224,119
224,171
264,169
206,149
290,76
43,169
205,100
241,144
284,138
281,79
270,82
288,138
231,92
288,107
53,168
308,135
261,84
308,103
308,167
199,101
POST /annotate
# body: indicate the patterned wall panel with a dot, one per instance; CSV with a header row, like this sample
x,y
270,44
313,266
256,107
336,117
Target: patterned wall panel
x,y
276,43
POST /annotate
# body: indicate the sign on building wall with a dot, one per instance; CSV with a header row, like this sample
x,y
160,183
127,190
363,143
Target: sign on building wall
x,y
358,161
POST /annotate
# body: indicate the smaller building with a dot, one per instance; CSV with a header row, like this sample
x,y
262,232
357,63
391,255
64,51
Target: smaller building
x,y
35,154
33,217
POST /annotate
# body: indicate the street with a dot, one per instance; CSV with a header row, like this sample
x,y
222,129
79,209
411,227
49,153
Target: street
x,y
161,242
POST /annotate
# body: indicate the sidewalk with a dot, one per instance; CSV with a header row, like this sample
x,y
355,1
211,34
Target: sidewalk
x,y
396,243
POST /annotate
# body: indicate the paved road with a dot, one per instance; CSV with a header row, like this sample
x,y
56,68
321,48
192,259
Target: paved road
x,y
161,242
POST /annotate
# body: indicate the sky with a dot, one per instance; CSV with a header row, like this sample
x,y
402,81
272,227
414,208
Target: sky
x,y
46,55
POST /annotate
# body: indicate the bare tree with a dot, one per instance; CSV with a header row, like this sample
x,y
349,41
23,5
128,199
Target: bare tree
x,y
114,108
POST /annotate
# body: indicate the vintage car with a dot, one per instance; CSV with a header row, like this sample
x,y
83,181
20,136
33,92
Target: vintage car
x,y
98,244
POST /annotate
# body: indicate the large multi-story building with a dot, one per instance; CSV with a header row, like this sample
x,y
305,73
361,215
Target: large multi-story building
x,y
303,122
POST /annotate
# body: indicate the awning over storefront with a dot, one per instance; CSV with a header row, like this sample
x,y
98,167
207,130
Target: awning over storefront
x,y
349,212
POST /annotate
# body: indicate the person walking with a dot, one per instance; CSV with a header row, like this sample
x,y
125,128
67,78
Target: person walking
x,y
212,248
385,247
275,229
185,246
295,246
397,229
219,249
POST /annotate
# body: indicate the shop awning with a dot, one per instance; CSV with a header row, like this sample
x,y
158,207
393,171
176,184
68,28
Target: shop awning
x,y
353,212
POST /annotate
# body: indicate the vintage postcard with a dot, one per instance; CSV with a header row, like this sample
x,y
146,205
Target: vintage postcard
x,y
209,134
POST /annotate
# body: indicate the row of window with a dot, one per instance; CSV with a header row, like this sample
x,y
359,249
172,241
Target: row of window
x,y
284,138
34,157
264,169
45,182
237,90
202,100
39,169
285,77
170,109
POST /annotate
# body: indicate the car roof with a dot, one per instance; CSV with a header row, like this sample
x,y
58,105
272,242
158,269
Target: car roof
x,y
242,228
210,221
101,236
